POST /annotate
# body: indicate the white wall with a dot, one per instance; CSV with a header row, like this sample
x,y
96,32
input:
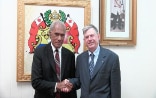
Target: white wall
x,y
138,63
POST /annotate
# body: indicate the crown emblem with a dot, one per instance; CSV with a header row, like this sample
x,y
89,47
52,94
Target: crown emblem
x,y
54,16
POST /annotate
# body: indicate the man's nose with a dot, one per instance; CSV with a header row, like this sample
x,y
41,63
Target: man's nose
x,y
59,37
89,37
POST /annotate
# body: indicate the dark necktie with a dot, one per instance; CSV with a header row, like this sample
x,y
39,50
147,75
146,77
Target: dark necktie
x,y
57,62
91,65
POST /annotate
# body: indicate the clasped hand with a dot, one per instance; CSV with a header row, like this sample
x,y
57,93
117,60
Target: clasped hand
x,y
64,86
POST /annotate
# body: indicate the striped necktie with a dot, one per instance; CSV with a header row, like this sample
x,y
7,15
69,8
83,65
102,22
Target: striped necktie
x,y
57,62
91,65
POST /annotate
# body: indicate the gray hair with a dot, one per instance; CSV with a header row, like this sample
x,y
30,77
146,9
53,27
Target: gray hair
x,y
86,28
57,22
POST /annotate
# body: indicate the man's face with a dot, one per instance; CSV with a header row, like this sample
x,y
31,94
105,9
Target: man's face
x,y
57,36
91,39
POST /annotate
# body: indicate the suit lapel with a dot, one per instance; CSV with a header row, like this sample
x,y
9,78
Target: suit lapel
x,y
86,65
100,61
51,57
63,61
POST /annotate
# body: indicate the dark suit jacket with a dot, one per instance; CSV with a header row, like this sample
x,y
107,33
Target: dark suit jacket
x,y
106,76
44,74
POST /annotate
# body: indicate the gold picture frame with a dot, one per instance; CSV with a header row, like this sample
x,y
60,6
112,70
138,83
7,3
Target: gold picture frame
x,y
24,10
125,34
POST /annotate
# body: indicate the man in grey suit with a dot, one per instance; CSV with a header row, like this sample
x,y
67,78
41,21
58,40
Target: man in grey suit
x,y
48,71
98,77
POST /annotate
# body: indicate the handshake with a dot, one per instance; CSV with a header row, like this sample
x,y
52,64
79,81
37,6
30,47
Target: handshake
x,y
64,86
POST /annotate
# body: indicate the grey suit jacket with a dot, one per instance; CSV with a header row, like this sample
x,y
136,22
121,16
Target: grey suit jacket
x,y
44,75
106,76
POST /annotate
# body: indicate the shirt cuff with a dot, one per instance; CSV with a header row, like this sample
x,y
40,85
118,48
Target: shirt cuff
x,y
55,88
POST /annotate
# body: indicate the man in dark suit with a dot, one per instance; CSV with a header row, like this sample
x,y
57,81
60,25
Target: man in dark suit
x,y
48,71
97,75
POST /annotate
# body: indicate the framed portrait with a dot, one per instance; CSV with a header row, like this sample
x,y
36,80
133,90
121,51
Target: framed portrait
x,y
118,22
34,19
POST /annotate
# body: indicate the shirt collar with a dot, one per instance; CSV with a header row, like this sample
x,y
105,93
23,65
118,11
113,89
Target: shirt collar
x,y
53,48
96,51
